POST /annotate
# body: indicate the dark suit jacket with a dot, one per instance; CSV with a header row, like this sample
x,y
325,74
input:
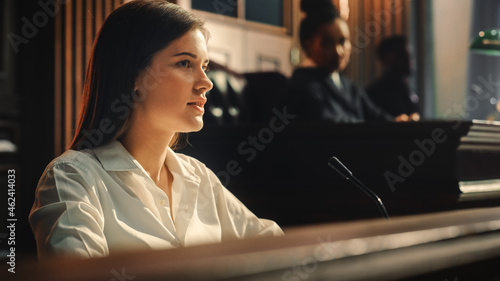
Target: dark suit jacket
x,y
314,97
392,94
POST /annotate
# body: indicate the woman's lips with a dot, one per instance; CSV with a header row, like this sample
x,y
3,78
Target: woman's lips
x,y
197,105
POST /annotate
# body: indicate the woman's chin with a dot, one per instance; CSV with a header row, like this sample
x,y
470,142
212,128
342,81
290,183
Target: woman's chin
x,y
195,126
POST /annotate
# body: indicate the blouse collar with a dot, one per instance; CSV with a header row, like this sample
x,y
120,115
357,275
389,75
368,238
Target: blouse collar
x,y
115,157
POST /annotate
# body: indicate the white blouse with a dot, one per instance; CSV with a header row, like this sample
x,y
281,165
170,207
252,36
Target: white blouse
x,y
93,203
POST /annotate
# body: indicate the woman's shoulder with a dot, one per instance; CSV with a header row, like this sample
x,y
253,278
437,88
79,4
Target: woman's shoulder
x,y
79,159
307,80
309,73
70,167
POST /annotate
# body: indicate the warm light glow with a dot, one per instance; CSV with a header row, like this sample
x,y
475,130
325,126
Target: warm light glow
x,y
217,111
344,9
481,34
491,42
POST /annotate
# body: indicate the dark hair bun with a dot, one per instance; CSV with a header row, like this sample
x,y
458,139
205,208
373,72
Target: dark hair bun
x,y
312,7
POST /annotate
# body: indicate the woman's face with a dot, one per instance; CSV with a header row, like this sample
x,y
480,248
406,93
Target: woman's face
x,y
171,91
330,48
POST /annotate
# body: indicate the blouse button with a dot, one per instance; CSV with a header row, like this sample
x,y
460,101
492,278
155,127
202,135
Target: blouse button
x,y
162,202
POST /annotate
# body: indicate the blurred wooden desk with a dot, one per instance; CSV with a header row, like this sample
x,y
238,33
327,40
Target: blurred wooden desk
x,y
283,174
459,245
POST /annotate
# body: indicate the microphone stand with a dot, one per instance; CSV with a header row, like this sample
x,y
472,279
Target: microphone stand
x,y
335,163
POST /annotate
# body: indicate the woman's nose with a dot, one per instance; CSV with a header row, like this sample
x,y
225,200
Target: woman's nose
x,y
204,83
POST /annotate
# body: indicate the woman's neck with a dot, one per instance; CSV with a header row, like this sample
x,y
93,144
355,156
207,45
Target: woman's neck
x,y
308,63
149,149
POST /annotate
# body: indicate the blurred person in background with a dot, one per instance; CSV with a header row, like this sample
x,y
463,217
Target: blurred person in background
x,y
391,91
319,91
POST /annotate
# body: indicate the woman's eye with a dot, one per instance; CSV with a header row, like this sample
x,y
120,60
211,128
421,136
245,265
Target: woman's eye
x,y
184,63
206,69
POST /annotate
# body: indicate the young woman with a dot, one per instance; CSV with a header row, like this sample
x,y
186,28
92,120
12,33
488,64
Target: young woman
x,y
319,92
121,187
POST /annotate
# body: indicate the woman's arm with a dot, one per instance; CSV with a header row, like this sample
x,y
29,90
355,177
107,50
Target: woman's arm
x,y
236,220
66,217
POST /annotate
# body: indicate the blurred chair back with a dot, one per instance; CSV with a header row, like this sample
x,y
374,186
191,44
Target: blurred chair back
x,y
242,98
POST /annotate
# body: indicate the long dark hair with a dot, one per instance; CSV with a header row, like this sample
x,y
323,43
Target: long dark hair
x,y
124,46
318,12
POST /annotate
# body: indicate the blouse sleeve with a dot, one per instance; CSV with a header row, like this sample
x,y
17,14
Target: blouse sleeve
x,y
66,218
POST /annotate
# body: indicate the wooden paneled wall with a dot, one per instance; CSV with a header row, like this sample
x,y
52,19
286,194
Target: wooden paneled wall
x,y
370,21
76,25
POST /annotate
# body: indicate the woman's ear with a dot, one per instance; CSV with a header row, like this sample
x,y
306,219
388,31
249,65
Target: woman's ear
x,y
138,94
139,90
139,82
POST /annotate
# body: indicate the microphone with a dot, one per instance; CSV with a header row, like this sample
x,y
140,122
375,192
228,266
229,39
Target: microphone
x,y
335,163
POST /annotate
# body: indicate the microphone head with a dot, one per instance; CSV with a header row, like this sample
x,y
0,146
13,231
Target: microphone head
x,y
335,163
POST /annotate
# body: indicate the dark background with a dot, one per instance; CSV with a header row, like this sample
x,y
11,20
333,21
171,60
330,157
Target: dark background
x,y
27,107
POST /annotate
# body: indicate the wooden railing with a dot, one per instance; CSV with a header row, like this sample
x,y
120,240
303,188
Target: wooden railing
x,y
458,245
